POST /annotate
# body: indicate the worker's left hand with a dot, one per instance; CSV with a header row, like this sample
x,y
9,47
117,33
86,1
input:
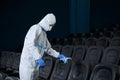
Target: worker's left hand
x,y
41,63
64,58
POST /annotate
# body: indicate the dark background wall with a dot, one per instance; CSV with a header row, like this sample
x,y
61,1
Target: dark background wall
x,y
104,13
16,17
73,16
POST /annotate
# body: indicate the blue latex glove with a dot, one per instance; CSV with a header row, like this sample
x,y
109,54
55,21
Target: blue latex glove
x,y
64,58
41,63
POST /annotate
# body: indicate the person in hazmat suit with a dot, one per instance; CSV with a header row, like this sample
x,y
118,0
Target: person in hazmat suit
x,y
35,44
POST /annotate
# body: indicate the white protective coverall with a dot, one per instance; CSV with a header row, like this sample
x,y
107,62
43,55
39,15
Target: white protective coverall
x,y
35,44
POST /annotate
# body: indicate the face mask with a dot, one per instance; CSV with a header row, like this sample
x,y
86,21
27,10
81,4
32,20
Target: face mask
x,y
50,27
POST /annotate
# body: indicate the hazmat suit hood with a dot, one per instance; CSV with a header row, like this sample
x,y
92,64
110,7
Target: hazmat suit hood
x,y
48,22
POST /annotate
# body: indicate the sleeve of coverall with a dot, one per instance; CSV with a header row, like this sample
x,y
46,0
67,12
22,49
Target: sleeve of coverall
x,y
30,39
51,51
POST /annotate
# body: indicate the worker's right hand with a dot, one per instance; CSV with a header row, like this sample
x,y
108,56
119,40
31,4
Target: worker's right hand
x,y
41,63
64,58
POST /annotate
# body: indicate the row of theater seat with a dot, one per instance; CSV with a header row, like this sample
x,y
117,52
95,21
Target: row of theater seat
x,y
83,66
92,41
95,57
9,64
81,39
87,64
84,60
102,41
